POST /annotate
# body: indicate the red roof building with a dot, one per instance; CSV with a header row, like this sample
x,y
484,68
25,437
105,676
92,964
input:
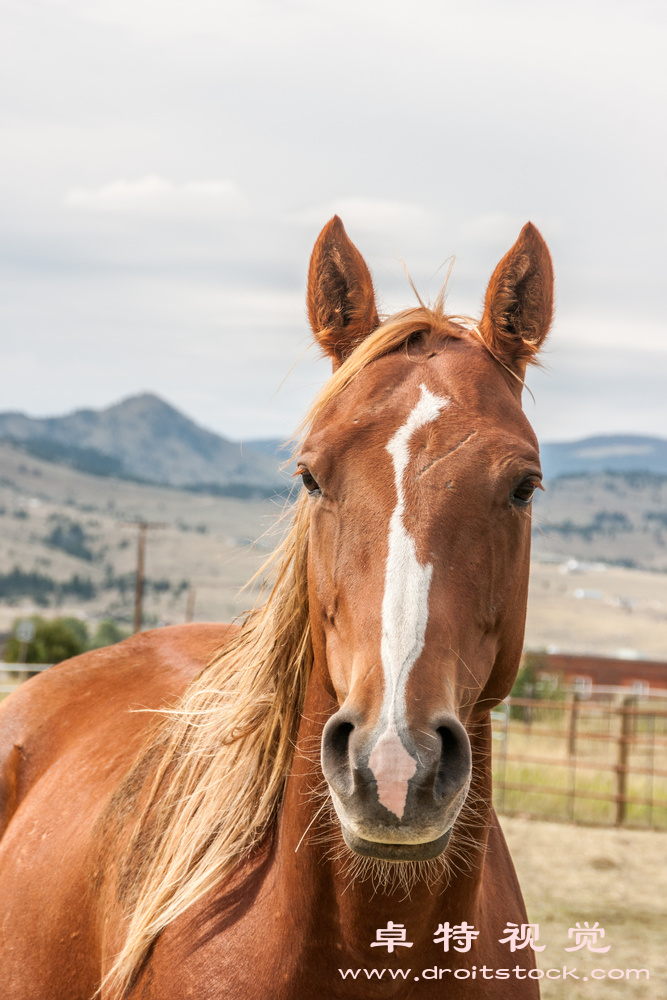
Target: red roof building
x,y
583,672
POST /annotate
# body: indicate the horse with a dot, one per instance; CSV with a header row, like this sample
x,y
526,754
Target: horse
x,y
300,804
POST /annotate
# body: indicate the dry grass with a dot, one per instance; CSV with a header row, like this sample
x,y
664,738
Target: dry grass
x,y
617,877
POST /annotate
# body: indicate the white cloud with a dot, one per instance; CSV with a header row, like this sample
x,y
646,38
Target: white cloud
x,y
155,194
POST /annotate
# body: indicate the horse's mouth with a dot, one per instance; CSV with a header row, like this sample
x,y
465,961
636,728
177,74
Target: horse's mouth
x,y
395,852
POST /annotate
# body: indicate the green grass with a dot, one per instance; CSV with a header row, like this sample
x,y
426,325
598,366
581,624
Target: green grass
x,y
580,779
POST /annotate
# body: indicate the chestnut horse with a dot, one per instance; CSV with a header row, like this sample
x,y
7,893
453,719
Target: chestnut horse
x,y
302,805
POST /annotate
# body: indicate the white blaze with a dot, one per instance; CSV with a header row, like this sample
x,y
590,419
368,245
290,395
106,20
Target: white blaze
x,y
404,619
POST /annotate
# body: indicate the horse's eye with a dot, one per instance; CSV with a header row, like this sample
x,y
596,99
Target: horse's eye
x,y
523,493
309,482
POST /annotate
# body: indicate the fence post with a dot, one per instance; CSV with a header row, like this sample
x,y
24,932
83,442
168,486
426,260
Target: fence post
x,y
572,729
622,759
651,770
572,753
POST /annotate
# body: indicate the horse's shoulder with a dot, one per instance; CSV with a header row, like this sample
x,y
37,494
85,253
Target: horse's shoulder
x,y
84,706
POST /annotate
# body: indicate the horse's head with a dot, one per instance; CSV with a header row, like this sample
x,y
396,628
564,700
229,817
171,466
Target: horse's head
x,y
420,466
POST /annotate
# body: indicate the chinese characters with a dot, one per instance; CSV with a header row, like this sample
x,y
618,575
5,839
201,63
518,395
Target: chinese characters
x,y
461,937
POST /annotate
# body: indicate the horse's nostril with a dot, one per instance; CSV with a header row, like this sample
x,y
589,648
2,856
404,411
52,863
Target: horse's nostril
x,y
448,741
336,763
339,741
455,759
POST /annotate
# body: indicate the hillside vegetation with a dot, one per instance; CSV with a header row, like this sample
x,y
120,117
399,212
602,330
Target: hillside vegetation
x,y
618,518
68,544
68,547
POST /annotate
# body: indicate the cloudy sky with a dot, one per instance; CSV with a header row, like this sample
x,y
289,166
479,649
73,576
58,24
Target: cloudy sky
x,y
167,165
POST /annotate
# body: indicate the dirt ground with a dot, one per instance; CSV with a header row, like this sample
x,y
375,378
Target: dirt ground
x,y
615,877
595,608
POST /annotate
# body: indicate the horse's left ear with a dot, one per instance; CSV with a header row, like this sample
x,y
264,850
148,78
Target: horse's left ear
x,y
519,301
341,301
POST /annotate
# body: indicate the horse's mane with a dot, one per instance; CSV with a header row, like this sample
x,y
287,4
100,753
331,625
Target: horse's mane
x,y
226,749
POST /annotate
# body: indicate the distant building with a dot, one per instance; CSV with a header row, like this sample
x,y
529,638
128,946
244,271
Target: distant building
x,y
584,673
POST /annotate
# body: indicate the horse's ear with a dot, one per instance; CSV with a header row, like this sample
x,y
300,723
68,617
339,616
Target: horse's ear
x,y
341,301
519,301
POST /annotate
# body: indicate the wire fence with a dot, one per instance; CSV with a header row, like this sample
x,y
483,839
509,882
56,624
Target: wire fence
x,y
578,760
595,762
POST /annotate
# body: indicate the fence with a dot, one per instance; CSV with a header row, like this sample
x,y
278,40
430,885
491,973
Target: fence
x,y
13,674
593,762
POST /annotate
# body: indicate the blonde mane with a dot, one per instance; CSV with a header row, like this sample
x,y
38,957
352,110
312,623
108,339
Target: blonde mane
x,y
226,750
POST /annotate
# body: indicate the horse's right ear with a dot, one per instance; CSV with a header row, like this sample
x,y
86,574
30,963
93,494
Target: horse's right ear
x,y
341,301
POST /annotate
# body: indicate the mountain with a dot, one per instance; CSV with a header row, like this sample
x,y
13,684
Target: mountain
x,y
276,447
146,439
605,453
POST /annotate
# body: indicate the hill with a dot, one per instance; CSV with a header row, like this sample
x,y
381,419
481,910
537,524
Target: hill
x,y
612,517
605,453
68,547
145,439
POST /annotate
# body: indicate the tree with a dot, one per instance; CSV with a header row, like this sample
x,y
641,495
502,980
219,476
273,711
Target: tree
x,y
528,683
54,641
107,633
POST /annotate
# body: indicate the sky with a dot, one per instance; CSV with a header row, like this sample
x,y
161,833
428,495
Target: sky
x,y
167,165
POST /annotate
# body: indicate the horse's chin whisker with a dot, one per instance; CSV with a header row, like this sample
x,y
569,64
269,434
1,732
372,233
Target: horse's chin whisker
x,y
389,877
303,835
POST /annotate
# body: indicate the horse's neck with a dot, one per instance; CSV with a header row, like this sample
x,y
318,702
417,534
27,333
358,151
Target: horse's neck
x,y
310,851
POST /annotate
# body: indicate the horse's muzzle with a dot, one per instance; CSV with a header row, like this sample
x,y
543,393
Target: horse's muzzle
x,y
397,797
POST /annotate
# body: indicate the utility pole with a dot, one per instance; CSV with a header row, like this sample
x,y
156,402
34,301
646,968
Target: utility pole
x,y
143,527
